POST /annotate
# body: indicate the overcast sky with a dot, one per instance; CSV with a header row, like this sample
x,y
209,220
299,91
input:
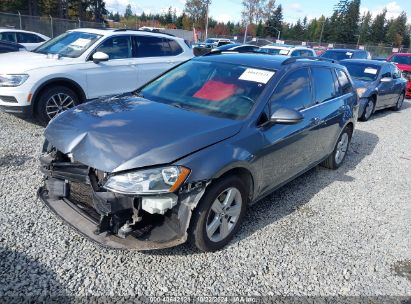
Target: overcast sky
x,y
226,10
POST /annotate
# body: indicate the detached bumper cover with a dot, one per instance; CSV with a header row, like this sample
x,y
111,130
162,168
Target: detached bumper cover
x,y
362,104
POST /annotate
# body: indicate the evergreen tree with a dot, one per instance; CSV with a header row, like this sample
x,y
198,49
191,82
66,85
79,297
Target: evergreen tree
x,y
128,13
378,28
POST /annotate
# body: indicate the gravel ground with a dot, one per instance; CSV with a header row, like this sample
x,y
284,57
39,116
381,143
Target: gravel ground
x,y
344,232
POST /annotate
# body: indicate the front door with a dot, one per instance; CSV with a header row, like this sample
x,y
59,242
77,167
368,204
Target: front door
x,y
115,76
289,149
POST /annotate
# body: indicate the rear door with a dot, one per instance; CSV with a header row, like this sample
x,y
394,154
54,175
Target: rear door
x,y
118,74
398,85
330,104
290,149
385,89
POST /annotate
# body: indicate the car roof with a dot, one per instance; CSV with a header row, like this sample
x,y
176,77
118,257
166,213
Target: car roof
x,y
345,50
365,61
110,31
263,61
402,54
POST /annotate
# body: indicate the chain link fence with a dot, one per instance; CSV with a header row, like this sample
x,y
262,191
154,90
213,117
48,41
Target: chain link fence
x,y
376,51
48,26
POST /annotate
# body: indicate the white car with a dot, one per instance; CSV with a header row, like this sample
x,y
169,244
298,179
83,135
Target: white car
x,y
84,64
288,50
30,40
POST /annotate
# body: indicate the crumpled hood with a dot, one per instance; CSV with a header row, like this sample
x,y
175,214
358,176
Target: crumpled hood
x,y
21,62
128,132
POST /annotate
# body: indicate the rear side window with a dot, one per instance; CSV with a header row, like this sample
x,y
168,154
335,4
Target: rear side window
x,y
8,36
345,84
323,84
293,91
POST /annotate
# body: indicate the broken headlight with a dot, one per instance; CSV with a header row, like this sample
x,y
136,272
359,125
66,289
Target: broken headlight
x,y
12,80
150,181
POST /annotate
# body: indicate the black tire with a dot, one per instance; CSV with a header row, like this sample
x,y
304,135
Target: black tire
x,y
198,236
331,162
46,105
366,115
399,103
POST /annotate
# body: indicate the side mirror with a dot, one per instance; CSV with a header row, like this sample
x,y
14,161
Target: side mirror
x,y
99,57
386,79
286,116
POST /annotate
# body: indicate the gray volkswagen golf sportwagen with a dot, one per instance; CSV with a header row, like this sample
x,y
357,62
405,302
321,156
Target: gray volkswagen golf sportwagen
x,y
182,157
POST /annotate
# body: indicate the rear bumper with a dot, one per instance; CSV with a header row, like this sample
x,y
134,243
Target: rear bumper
x,y
408,90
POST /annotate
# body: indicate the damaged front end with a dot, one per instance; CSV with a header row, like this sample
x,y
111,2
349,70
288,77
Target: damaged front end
x,y
78,194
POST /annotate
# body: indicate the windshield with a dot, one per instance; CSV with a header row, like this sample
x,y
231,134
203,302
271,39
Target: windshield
x,y
272,51
70,44
360,71
210,41
401,59
213,88
337,55
227,46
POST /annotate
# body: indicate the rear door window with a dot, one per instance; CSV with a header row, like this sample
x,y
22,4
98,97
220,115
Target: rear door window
x,y
28,38
323,81
344,81
293,91
148,46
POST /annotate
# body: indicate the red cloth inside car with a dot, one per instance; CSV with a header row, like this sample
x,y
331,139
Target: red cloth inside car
x,y
216,90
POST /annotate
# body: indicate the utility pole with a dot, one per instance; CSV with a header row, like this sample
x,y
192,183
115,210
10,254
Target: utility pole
x,y
245,33
322,31
206,26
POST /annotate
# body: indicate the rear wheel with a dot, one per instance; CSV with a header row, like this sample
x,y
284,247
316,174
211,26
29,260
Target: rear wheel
x,y
399,103
335,160
369,109
55,100
219,214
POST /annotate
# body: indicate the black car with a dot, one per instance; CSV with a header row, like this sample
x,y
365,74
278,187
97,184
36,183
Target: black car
x,y
379,85
183,156
341,54
7,46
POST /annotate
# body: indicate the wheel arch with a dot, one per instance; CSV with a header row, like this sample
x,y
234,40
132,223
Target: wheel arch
x,y
61,81
245,175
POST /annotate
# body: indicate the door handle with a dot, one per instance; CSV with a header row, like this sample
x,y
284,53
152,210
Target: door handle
x,y
316,121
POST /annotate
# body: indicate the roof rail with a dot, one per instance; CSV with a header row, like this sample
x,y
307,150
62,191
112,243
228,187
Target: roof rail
x,y
145,31
215,52
294,59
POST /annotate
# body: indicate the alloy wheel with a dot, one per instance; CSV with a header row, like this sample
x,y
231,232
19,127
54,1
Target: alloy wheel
x,y
58,103
224,214
369,109
342,148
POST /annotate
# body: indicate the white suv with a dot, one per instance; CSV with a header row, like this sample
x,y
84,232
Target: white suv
x,y
30,40
288,50
84,64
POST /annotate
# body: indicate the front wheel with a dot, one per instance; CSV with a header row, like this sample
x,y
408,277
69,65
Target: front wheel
x,y
399,103
55,100
369,109
336,158
219,214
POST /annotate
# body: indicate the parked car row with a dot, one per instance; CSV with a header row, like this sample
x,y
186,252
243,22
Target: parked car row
x,y
172,148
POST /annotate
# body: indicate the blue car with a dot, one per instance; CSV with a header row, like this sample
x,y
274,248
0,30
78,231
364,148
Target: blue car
x,y
379,85
181,158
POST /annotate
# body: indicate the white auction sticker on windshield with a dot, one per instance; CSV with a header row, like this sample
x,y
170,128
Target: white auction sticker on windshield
x,y
80,43
256,75
371,71
348,54
284,52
